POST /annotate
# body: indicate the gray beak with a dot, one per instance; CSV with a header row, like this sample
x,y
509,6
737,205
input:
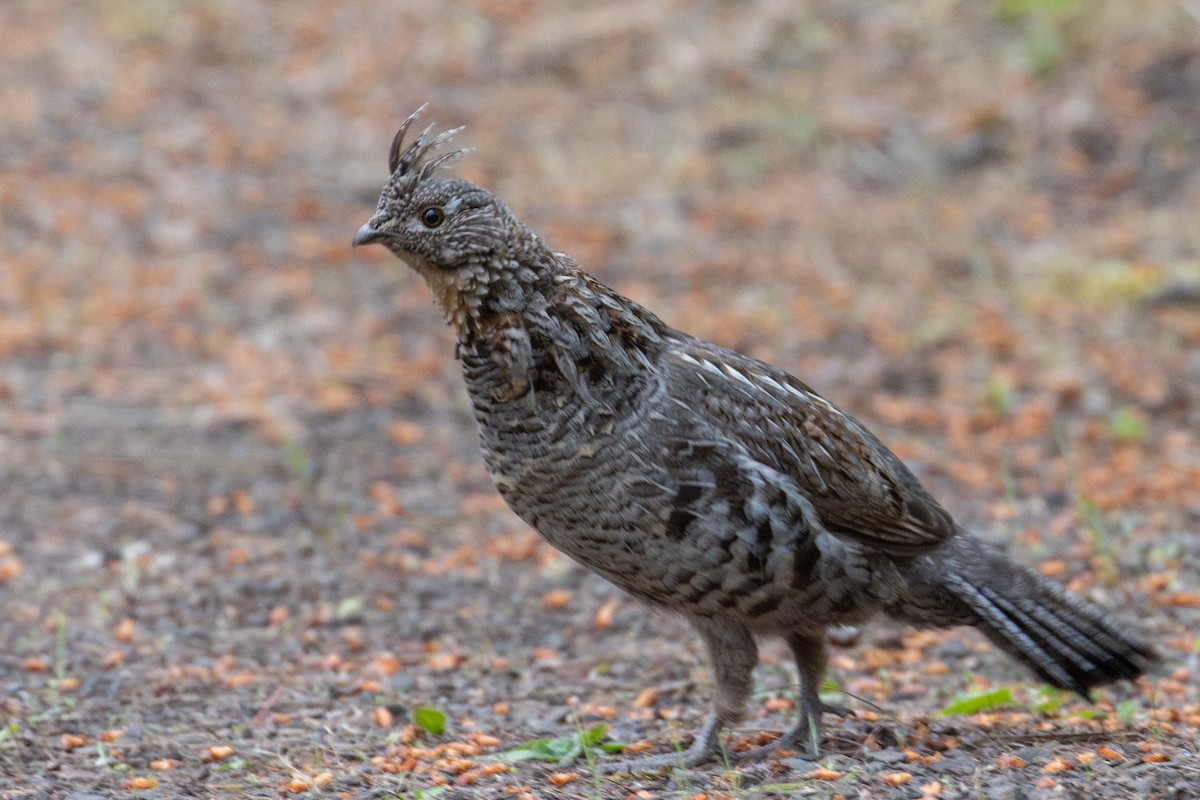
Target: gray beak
x,y
366,234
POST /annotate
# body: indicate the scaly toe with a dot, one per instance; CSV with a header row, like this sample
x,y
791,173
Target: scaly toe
x,y
837,711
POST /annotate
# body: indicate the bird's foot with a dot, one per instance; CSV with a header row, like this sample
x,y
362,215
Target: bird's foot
x,y
706,748
804,736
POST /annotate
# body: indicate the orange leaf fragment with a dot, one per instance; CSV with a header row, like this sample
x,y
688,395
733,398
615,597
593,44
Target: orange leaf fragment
x,y
278,615
1156,758
444,662
606,613
142,783
896,778
1158,581
243,502
777,704
1052,569
124,630
384,717
563,778
296,786
111,735
823,774
646,698
936,668
68,684
1009,761
409,537
237,555
322,779
485,739
353,638
594,710
1046,782
494,768
462,749
218,752
1104,751
239,679
10,567
556,598
385,663
70,741
402,432
1184,599
164,764
1058,765
115,658
35,664
454,766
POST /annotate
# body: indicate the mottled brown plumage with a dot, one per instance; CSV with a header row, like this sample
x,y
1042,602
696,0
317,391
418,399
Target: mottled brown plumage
x,y
699,479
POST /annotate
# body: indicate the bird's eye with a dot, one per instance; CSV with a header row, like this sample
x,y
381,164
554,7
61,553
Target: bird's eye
x,y
432,217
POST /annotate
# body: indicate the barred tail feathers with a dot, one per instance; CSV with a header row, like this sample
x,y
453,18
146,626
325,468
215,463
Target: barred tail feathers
x,y
1068,641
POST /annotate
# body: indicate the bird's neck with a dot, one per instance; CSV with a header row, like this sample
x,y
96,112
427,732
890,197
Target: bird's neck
x,y
479,298
549,301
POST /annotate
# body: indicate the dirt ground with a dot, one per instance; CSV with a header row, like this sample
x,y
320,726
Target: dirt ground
x,y
244,530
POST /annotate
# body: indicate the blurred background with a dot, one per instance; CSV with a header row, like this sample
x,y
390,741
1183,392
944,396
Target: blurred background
x,y
229,443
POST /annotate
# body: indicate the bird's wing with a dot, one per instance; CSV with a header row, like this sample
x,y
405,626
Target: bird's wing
x,y
858,487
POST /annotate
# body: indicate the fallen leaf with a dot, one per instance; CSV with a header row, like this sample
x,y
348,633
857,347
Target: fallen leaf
x,y
218,752
124,631
606,613
556,598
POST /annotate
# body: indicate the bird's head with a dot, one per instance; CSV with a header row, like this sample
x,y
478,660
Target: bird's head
x,y
460,237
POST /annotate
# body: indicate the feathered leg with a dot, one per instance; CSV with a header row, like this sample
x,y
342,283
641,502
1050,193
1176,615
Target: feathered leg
x,y
811,659
733,654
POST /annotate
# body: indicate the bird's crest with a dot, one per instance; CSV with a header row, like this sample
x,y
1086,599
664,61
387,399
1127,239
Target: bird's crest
x,y
419,159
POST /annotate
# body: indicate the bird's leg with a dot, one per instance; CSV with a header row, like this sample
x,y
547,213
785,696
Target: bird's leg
x,y
811,658
733,654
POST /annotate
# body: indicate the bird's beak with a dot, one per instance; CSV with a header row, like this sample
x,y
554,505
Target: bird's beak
x,y
366,234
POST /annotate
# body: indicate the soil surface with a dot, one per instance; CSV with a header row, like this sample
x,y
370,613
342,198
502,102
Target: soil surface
x,y
247,545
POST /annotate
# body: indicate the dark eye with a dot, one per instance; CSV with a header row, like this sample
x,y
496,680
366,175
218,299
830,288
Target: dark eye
x,y
432,217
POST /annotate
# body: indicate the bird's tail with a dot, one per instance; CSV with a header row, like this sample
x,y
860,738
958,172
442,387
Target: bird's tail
x,y
1069,642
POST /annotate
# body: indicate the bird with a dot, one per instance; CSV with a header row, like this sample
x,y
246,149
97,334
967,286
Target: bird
x,y
700,480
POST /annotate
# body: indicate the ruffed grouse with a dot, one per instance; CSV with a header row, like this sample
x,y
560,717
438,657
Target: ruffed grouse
x,y
699,479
